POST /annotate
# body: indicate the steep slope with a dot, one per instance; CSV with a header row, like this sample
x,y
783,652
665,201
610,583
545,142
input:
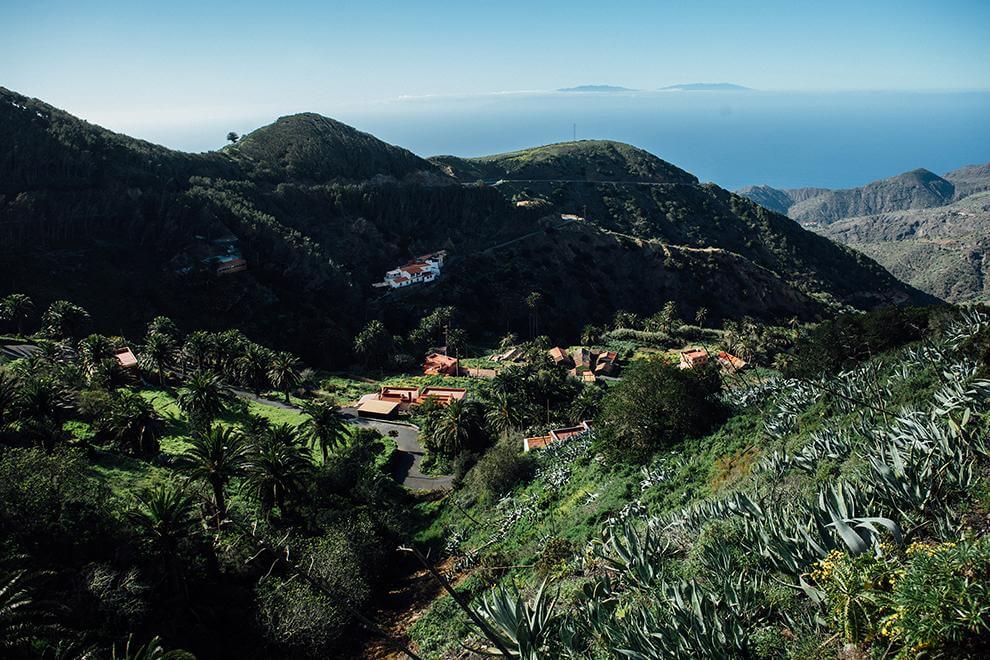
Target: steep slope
x,y
917,189
310,148
777,200
970,179
911,190
320,211
944,251
584,160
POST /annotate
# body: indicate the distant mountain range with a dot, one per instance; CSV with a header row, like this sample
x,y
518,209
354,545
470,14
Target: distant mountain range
x,y
932,231
320,211
706,87
596,88
686,87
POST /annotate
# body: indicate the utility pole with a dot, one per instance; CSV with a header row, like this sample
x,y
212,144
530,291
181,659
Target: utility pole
x,y
574,131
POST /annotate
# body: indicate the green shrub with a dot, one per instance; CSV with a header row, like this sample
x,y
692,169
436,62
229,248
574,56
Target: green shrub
x,y
500,469
655,406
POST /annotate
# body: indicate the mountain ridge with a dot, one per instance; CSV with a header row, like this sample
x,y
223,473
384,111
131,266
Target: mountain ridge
x,y
316,233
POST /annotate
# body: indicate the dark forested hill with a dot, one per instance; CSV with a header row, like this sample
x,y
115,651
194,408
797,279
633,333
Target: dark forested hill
x,y
320,211
310,148
585,160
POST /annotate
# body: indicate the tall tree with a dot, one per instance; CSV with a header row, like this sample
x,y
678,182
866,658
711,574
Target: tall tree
x,y
164,515
374,344
64,319
277,468
253,366
159,353
324,426
17,309
284,372
455,427
534,301
93,350
203,399
214,457
132,423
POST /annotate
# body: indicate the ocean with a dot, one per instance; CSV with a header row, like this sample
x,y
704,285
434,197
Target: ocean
x,y
832,140
783,139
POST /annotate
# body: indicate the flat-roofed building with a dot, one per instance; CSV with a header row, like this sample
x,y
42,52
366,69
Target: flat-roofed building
x,y
377,409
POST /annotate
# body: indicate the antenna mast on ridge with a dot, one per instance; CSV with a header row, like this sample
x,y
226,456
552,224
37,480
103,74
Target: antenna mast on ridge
x,y
574,129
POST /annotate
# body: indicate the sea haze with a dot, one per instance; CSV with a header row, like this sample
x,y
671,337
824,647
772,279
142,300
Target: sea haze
x,y
839,139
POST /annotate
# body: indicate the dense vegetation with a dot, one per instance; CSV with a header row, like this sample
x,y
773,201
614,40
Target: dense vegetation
x,y
181,513
836,514
320,211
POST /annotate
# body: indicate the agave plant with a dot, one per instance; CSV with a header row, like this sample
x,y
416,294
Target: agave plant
x,y
525,628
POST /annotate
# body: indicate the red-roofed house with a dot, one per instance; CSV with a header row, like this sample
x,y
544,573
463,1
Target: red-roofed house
x,y
607,364
693,357
126,358
438,364
556,435
730,362
442,395
560,356
404,396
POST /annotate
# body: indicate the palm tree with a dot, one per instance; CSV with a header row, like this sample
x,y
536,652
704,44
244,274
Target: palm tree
x,y
534,301
503,411
133,424
23,618
276,468
64,319
153,650
700,316
164,515
159,353
162,325
203,399
196,350
454,427
284,372
214,458
93,350
252,367
17,308
324,426
8,397
374,344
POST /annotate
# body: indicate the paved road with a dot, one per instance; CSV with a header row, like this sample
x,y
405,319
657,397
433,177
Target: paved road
x,y
408,466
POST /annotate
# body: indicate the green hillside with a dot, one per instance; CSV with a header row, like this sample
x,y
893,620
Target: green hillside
x,y
320,211
585,160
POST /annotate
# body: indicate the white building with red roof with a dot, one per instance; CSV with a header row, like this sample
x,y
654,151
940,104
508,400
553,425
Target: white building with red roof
x,y
424,268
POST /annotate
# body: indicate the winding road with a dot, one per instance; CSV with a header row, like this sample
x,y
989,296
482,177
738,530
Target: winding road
x,y
408,463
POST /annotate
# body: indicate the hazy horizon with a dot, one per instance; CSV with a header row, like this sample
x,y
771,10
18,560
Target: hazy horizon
x,y
478,78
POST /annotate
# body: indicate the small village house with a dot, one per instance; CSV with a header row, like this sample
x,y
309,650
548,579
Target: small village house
x,y
556,435
377,409
422,269
442,395
438,364
125,357
730,362
693,357
560,357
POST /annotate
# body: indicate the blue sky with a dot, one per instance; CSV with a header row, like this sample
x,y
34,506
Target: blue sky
x,y
153,65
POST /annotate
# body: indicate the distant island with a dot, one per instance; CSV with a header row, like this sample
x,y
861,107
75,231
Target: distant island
x,y
706,87
596,88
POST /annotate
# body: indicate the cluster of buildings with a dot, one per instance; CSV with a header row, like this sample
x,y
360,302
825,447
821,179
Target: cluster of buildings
x,y
556,435
697,357
389,401
221,256
585,364
422,269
